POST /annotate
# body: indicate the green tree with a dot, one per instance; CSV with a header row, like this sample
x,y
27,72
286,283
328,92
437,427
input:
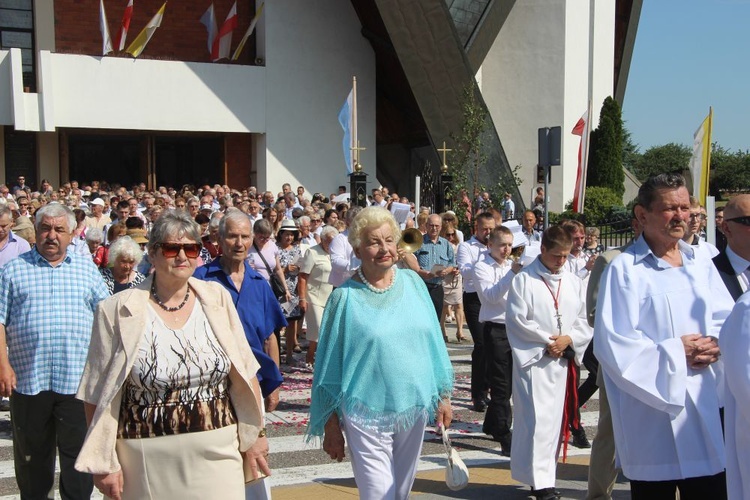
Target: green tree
x,y
467,156
670,157
599,205
605,150
730,171
630,152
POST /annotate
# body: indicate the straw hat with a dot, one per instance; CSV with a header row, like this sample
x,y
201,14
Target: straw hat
x,y
138,235
288,225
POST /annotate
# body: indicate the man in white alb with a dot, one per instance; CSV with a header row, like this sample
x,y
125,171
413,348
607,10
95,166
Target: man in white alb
x,y
548,333
659,312
733,264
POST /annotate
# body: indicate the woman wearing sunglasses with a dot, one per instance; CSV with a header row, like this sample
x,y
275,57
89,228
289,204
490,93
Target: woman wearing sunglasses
x,y
169,386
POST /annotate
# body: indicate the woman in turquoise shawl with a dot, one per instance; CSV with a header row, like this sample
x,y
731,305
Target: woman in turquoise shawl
x,y
382,371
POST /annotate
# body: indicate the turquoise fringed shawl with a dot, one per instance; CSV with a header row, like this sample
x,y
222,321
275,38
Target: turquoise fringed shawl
x,y
381,357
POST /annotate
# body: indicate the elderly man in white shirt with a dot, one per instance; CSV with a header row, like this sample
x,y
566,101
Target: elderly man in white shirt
x,y
468,254
343,260
659,313
492,277
578,263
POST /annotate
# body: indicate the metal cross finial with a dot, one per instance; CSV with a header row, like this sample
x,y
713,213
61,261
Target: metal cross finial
x,y
444,150
357,150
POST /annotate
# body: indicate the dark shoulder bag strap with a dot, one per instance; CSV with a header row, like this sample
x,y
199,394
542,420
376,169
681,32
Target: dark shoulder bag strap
x,y
268,268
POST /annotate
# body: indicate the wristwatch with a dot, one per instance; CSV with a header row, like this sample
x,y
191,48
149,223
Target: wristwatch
x,y
262,433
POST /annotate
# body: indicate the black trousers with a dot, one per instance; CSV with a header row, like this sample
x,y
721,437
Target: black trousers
x,y
499,370
437,294
588,387
692,488
479,384
39,422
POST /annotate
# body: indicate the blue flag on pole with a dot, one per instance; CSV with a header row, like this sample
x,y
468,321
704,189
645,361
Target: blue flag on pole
x,y
345,119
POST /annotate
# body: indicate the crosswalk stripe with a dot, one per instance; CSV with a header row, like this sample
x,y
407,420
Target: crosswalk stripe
x,y
461,359
289,476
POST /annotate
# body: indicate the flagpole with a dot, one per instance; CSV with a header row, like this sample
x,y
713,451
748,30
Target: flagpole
x,y
707,174
585,159
355,138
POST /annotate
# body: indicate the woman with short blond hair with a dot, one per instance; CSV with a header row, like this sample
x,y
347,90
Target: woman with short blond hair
x,y
382,396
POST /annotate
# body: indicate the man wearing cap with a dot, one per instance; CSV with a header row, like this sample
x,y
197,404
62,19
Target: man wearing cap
x,y
97,219
207,209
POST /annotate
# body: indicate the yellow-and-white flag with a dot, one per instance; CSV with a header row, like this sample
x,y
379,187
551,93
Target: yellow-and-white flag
x,y
701,159
249,32
140,42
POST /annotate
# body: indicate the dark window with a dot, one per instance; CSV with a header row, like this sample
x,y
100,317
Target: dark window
x,y
20,156
17,31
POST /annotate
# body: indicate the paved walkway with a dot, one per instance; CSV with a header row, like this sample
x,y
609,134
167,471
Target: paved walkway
x,y
303,471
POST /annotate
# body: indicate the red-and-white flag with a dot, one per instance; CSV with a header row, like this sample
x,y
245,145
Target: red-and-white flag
x,y
581,129
104,28
122,33
208,19
223,42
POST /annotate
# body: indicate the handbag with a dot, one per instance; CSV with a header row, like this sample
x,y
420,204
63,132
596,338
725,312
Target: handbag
x,y
279,290
456,472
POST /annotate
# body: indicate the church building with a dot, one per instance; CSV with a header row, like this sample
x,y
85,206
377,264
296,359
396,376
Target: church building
x,y
174,115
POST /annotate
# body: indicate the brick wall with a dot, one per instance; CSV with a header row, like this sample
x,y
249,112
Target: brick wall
x,y
181,36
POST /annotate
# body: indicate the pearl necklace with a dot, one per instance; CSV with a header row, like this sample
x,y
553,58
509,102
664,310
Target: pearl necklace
x,y
374,288
163,305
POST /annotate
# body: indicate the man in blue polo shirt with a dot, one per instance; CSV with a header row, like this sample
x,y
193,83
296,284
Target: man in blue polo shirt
x,y
259,310
436,260
47,302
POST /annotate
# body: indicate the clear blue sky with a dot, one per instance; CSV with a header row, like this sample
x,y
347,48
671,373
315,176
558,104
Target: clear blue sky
x,y
689,55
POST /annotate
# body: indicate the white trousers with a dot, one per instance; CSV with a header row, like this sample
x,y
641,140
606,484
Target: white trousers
x,y
384,463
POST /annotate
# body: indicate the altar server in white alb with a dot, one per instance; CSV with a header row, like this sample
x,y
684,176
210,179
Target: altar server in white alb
x,y
659,313
547,331
735,344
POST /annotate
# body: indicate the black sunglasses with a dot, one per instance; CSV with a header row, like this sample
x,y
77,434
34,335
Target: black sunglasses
x,y
744,220
172,250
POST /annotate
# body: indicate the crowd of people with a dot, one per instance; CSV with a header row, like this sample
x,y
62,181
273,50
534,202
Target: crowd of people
x,y
141,336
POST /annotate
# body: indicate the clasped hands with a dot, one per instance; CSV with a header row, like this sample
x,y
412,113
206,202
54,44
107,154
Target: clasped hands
x,y
558,345
700,351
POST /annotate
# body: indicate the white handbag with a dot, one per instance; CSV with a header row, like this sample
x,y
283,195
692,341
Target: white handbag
x,y
456,472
